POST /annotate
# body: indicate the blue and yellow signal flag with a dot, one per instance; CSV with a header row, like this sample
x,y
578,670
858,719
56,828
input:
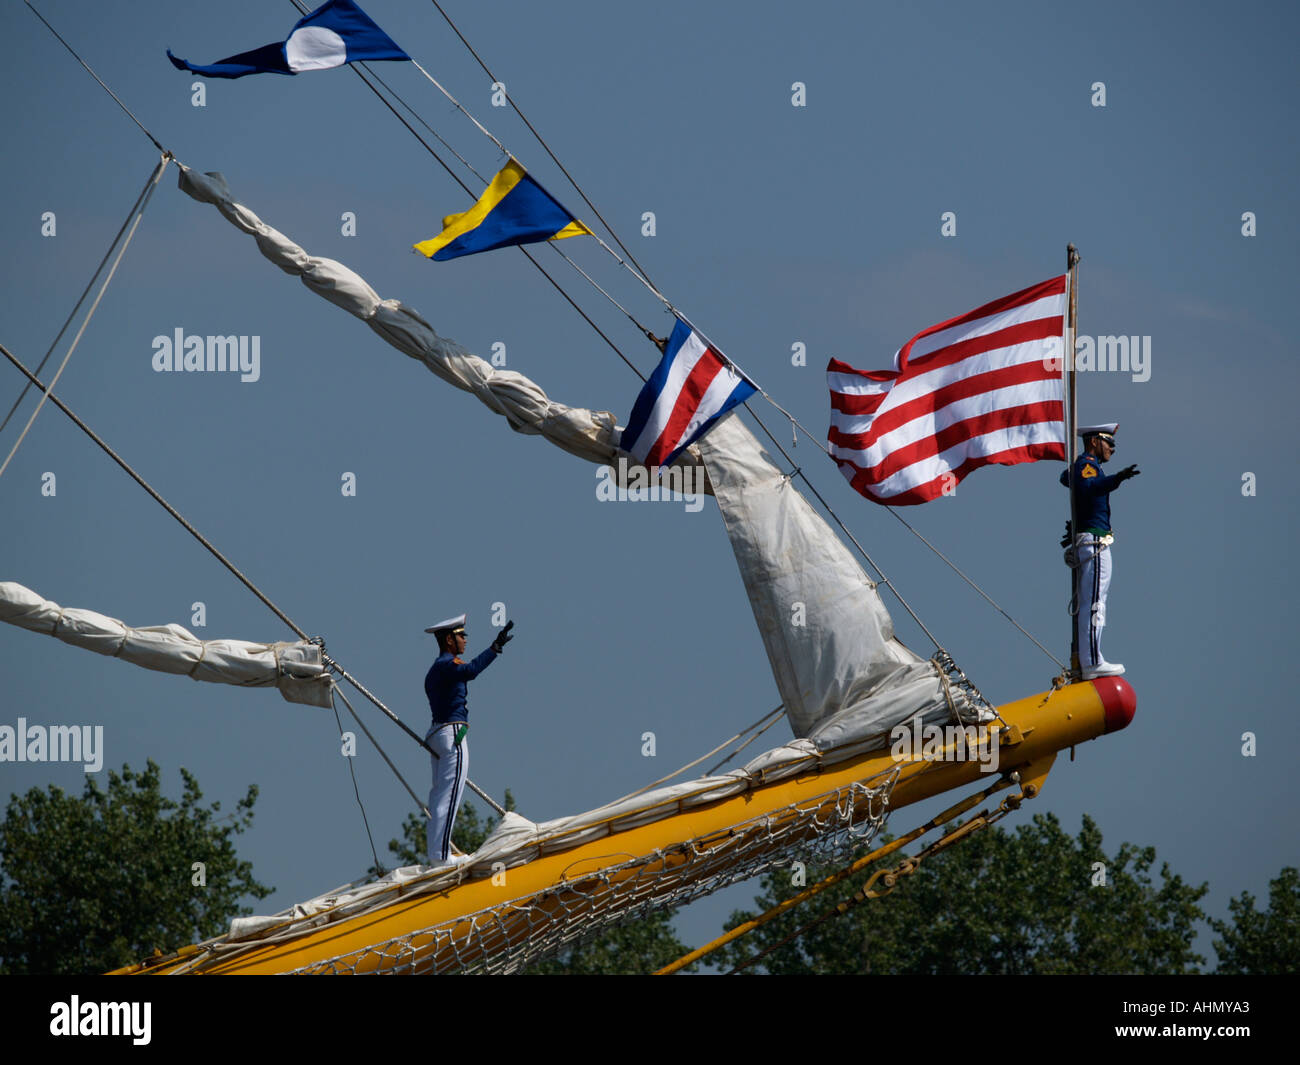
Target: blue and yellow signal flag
x,y
513,210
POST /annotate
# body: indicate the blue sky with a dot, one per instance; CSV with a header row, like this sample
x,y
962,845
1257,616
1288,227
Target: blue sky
x,y
775,225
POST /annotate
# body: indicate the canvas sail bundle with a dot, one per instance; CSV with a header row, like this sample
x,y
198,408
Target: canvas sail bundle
x,y
294,668
591,435
843,675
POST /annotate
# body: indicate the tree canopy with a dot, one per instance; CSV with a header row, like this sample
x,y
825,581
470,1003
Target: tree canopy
x,y
1268,941
94,883
1035,900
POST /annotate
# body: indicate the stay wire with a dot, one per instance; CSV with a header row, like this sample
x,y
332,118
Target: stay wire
x,y
152,184
718,765
356,67
157,498
635,270
110,92
418,801
957,570
501,810
379,869
540,140
77,307
775,715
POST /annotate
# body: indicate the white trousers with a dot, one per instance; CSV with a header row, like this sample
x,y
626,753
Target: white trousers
x,y
1093,575
450,771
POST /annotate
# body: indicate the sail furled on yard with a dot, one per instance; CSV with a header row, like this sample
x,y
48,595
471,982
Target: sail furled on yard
x,y
294,668
843,675
588,434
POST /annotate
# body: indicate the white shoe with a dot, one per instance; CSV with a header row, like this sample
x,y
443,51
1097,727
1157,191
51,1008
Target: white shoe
x,y
1104,669
451,862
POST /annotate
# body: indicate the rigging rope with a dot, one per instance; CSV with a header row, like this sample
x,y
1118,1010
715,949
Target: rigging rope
x,y
357,68
379,869
150,489
98,79
637,273
356,717
718,765
142,202
540,140
774,714
501,810
73,313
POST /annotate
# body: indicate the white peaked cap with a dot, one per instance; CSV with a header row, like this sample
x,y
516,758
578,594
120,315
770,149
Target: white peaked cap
x,y
448,625
1109,428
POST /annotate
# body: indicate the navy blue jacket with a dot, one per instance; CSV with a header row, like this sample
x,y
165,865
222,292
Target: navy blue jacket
x,y
1092,490
446,682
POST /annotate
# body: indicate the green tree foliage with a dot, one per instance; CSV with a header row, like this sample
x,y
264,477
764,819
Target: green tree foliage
x,y
1267,942
640,946
1028,901
94,883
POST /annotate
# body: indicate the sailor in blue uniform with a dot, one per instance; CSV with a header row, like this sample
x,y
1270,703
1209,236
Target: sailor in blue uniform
x,y
446,686
1092,543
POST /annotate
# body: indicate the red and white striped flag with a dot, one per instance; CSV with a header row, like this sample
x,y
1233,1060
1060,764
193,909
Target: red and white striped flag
x,y
982,389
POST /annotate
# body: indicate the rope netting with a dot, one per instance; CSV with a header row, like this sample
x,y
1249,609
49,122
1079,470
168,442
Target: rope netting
x,y
510,936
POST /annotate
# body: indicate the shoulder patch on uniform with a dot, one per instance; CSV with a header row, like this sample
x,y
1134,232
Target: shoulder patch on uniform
x,y
1088,470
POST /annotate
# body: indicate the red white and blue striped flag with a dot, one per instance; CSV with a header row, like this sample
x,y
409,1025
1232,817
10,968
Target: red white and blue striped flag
x,y
692,387
978,390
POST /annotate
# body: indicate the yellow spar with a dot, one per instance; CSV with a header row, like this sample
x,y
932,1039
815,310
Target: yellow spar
x,y
465,923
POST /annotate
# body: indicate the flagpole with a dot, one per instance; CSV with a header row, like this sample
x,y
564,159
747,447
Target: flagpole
x,y
1071,444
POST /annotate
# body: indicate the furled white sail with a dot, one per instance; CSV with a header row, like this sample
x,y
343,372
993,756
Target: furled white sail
x,y
592,435
830,641
294,668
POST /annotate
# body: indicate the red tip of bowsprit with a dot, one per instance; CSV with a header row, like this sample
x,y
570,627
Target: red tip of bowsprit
x,y
1118,700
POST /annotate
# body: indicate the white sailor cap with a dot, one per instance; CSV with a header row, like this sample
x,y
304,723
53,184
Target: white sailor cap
x,y
1107,430
450,625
